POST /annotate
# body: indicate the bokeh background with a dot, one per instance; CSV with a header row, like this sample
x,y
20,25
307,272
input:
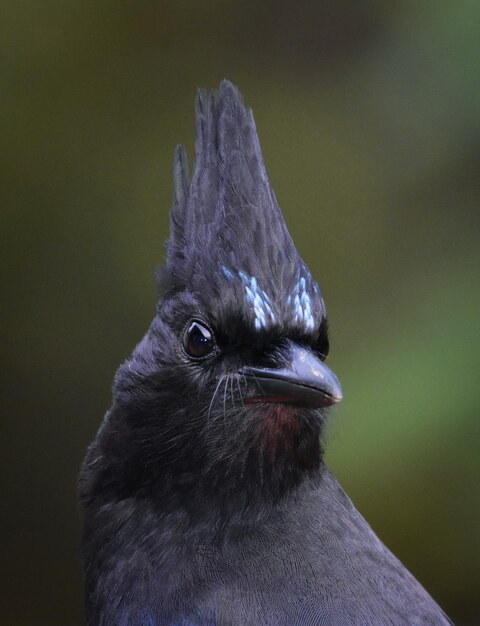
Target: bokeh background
x,y
368,114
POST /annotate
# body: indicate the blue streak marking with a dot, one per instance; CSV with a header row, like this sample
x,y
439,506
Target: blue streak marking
x,y
257,297
227,273
302,303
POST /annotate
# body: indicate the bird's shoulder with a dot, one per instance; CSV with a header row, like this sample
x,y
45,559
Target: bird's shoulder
x,y
309,563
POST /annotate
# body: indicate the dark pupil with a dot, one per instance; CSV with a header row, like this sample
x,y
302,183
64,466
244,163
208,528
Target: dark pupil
x,y
198,340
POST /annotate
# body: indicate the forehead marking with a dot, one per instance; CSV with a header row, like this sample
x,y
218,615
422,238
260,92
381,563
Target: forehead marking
x,y
299,299
227,273
302,304
256,297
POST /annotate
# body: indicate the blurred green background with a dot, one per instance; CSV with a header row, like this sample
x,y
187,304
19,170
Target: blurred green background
x,y
368,114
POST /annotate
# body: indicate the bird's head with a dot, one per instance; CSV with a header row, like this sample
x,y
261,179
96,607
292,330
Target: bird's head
x,y
228,391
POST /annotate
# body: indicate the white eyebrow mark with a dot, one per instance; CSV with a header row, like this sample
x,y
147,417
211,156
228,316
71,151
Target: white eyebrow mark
x,y
302,303
256,297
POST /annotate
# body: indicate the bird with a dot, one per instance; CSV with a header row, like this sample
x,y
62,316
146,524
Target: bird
x,y
205,496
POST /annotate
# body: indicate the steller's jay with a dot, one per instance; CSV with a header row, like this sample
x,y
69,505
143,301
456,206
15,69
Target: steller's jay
x,y
206,498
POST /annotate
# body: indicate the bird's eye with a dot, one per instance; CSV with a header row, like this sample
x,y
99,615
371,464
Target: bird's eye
x,y
198,340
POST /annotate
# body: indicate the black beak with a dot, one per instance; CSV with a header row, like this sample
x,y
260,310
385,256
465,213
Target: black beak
x,y
304,381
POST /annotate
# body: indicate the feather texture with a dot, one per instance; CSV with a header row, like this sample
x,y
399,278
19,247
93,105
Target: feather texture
x,y
206,506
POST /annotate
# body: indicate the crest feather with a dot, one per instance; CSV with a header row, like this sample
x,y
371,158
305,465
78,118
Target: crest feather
x,y
226,216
